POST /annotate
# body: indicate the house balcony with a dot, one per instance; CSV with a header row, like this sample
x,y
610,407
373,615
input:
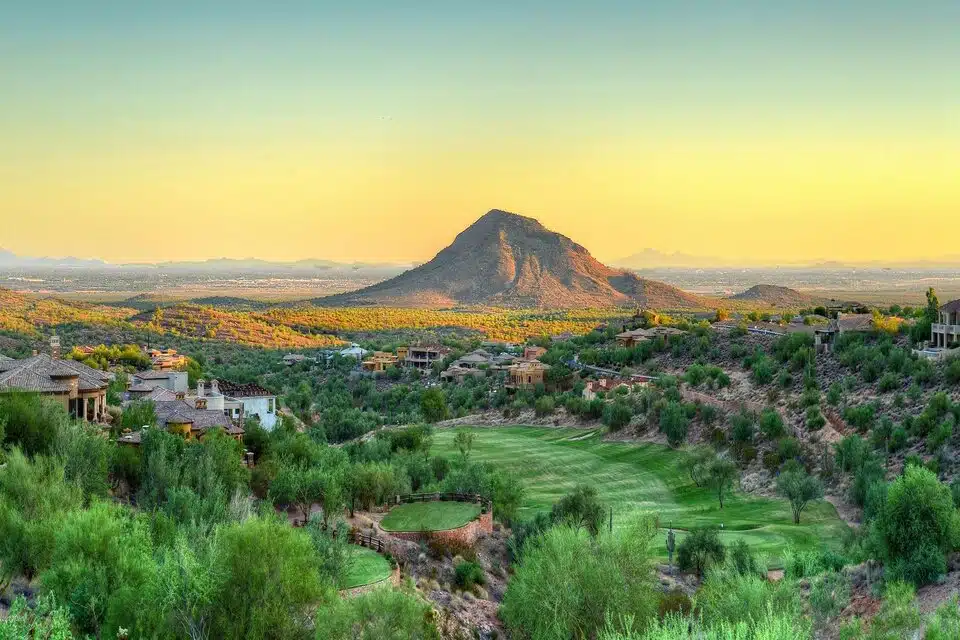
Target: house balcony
x,y
948,329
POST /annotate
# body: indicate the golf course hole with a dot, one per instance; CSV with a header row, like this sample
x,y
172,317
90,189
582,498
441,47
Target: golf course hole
x,y
429,516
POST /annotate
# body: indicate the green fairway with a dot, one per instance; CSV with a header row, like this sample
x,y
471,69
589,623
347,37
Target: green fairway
x,y
430,516
366,567
641,477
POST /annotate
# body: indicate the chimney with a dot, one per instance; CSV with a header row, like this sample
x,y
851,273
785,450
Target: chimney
x,y
200,392
55,346
214,387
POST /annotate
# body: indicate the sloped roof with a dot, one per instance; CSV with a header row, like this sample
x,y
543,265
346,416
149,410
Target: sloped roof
x,y
249,390
153,375
950,307
44,373
179,411
855,322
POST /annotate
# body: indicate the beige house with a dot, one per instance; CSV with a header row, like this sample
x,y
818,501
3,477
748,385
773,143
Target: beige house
x,y
81,389
380,361
945,333
527,375
423,356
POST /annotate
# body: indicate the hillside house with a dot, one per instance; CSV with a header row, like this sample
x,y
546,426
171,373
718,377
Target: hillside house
x,y
380,361
533,352
166,359
525,376
423,356
183,418
253,400
81,390
633,337
945,333
143,382
608,385
354,351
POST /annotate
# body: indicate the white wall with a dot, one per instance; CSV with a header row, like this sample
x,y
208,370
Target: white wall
x,y
264,408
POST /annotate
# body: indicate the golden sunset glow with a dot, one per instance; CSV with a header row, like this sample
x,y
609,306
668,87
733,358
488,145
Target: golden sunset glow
x,y
226,137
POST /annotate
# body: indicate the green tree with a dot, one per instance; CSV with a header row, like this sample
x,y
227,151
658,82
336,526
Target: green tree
x,y
800,489
570,585
674,423
700,549
464,443
31,421
102,563
382,614
433,405
721,475
137,414
44,620
271,580
581,508
917,527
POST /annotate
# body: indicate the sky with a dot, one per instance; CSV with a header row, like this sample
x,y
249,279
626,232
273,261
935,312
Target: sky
x,y
376,130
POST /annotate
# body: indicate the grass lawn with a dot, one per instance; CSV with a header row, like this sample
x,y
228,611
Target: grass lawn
x,y
366,567
642,477
430,516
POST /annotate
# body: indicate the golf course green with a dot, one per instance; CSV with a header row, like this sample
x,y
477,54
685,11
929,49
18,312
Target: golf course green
x,y
633,478
366,567
430,516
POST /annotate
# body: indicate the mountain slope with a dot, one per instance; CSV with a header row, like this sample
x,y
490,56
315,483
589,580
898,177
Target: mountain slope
x,y
505,259
774,295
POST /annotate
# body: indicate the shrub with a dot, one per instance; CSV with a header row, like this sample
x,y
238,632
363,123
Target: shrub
x,y
748,455
742,560
814,419
771,461
674,601
617,414
384,614
544,406
889,382
742,428
674,423
898,617
580,508
829,595
609,574
771,424
944,624
918,527
467,574
701,548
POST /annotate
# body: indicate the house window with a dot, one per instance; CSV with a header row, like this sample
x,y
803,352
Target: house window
x,y
270,406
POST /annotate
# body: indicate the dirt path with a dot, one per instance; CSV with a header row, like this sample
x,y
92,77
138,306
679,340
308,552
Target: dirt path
x,y
847,512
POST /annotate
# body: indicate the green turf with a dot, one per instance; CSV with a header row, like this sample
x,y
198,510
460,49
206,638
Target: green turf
x,y
642,477
430,516
366,567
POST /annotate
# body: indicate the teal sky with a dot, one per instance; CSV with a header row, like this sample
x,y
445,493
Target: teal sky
x,y
339,116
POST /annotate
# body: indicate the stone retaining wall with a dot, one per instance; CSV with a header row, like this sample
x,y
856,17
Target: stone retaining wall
x,y
467,534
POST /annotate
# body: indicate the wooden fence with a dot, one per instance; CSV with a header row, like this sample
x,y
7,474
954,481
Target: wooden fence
x,y
487,505
369,541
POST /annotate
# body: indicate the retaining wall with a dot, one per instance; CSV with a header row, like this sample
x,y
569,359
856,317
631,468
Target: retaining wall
x,y
467,534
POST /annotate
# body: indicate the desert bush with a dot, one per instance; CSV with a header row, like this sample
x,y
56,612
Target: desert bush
x,y
771,424
700,549
467,574
918,527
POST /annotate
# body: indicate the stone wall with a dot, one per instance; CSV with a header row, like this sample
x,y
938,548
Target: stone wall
x,y
467,534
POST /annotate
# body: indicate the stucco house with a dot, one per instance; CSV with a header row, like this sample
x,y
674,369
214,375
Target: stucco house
x,y
81,389
254,400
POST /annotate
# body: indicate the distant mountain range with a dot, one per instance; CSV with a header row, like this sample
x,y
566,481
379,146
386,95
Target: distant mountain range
x,y
505,259
774,295
9,259
654,259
